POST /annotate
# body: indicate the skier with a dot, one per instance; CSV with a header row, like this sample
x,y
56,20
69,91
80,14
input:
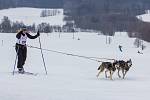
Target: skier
x,y
120,48
139,52
21,47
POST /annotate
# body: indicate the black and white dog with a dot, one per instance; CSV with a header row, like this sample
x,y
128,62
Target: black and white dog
x,y
109,66
124,66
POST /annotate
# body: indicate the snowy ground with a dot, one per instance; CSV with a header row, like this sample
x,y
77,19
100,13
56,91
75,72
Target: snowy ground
x,y
73,78
70,78
30,16
145,17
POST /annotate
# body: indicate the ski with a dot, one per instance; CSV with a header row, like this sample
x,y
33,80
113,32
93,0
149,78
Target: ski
x,y
26,73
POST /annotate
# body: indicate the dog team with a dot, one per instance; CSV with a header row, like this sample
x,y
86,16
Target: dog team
x,y
111,67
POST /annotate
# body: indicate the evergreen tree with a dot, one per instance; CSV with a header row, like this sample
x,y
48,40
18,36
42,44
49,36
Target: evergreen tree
x,y
6,25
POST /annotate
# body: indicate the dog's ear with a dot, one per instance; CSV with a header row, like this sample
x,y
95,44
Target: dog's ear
x,y
129,62
98,68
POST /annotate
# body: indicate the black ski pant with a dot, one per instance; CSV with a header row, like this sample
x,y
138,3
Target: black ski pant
x,y
22,54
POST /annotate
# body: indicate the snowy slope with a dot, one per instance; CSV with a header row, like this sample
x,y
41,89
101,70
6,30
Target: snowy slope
x,y
73,78
145,17
31,15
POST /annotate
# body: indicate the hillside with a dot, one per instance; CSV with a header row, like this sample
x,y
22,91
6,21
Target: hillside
x,y
145,17
31,16
110,16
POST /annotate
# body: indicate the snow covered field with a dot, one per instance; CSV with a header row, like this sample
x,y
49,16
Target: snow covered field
x,y
70,78
73,78
30,16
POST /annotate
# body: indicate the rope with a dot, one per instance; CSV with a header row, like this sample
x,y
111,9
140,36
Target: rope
x,y
103,58
90,58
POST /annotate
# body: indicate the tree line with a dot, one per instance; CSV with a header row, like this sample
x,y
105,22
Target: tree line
x,y
7,26
4,4
48,12
109,16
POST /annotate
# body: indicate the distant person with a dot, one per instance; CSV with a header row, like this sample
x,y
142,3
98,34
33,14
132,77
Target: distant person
x,y
139,52
120,48
2,42
21,47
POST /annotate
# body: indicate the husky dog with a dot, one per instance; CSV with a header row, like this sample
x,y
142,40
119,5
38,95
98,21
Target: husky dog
x,y
109,66
124,66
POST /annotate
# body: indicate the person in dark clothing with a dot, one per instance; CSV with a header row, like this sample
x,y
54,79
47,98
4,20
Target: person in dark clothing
x,y
120,48
21,47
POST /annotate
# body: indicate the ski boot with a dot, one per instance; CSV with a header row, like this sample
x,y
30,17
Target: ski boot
x,y
21,70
